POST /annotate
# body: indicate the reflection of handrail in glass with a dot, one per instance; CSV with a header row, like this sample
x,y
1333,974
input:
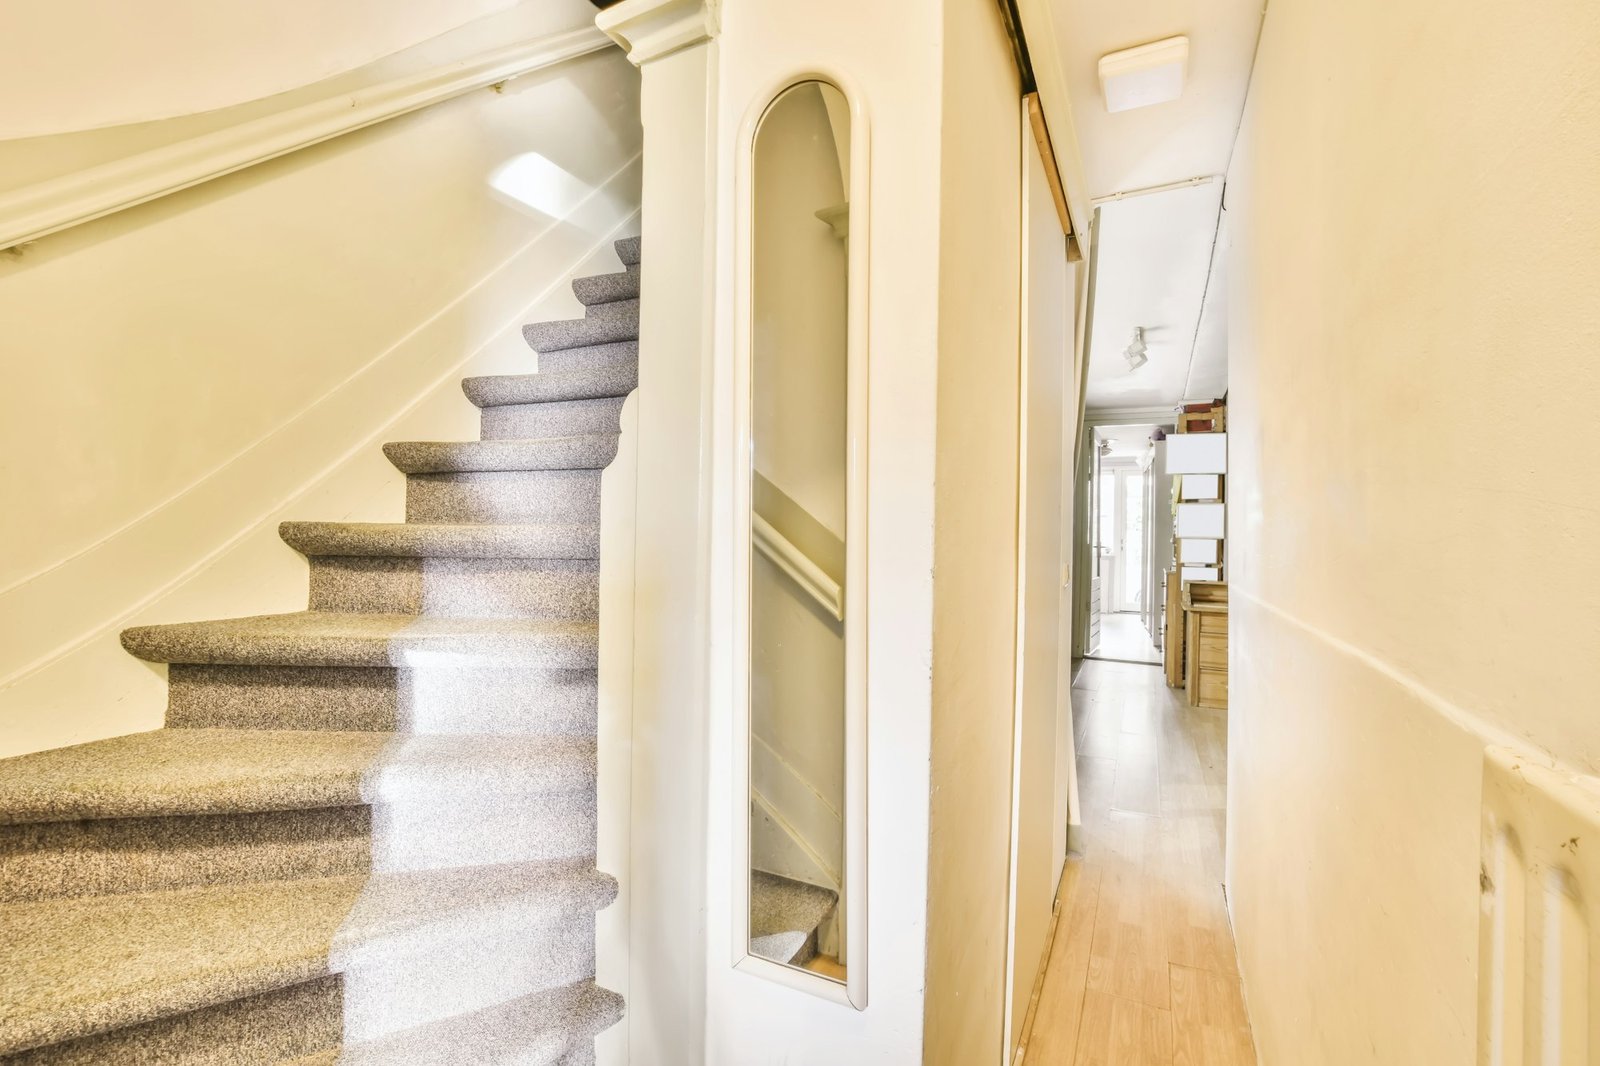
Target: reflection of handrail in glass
x,y
798,566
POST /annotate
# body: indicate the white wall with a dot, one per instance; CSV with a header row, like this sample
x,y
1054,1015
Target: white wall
x,y
750,1019
183,375
83,64
975,540
1412,531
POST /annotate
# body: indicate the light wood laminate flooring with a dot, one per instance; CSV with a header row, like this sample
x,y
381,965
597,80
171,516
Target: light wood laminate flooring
x,y
1142,969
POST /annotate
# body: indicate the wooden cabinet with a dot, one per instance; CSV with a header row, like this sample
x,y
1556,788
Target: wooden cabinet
x,y
1205,605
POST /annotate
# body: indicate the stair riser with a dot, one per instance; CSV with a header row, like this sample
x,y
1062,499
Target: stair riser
x,y
482,701
284,697
550,590
527,496
436,972
114,856
278,1026
427,834
591,358
627,310
527,420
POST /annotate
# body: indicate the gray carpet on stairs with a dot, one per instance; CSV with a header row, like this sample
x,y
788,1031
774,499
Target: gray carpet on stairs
x,y
367,832
785,916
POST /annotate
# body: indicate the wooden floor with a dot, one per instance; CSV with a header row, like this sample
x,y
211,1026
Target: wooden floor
x,y
1123,636
1142,969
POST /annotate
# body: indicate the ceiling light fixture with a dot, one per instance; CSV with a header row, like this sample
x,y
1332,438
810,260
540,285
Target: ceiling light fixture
x,y
1149,74
1134,353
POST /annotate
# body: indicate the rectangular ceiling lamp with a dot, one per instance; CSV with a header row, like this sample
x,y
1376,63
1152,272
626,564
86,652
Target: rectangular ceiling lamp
x,y
1149,74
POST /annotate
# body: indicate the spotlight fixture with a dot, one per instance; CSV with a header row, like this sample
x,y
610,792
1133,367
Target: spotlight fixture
x,y
1134,353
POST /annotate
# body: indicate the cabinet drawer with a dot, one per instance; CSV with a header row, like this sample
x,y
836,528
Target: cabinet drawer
x,y
1213,691
1213,623
1214,652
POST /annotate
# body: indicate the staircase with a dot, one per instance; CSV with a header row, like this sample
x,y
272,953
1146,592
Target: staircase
x,y
787,917
367,832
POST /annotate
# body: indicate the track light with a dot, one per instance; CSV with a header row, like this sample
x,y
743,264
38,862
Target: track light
x,y
1134,353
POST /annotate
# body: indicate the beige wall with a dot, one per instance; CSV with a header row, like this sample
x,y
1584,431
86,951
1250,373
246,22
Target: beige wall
x,y
975,541
182,375
69,64
1413,388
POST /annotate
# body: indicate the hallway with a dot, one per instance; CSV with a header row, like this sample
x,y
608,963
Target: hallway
x,y
1123,638
1142,969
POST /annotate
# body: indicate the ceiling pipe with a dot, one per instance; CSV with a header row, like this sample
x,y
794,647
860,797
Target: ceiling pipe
x,y
1186,183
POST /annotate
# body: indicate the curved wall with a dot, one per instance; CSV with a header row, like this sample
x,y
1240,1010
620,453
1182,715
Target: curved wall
x,y
84,64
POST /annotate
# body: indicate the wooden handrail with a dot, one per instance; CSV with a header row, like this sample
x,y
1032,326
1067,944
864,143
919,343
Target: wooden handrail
x,y
798,566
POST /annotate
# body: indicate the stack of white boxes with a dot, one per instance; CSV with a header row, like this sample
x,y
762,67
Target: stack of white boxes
x,y
1200,462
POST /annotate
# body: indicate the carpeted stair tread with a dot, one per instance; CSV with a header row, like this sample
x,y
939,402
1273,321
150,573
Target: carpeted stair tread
x,y
536,1030
563,334
606,288
277,1026
393,904
422,540
629,249
589,451
188,771
238,771
781,904
73,967
338,638
552,386
158,954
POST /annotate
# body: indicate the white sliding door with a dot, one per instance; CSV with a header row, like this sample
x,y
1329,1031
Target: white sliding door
x,y
1048,409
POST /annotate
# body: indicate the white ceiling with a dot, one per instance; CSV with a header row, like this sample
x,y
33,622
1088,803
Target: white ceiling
x,y
1153,256
1155,250
1189,137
